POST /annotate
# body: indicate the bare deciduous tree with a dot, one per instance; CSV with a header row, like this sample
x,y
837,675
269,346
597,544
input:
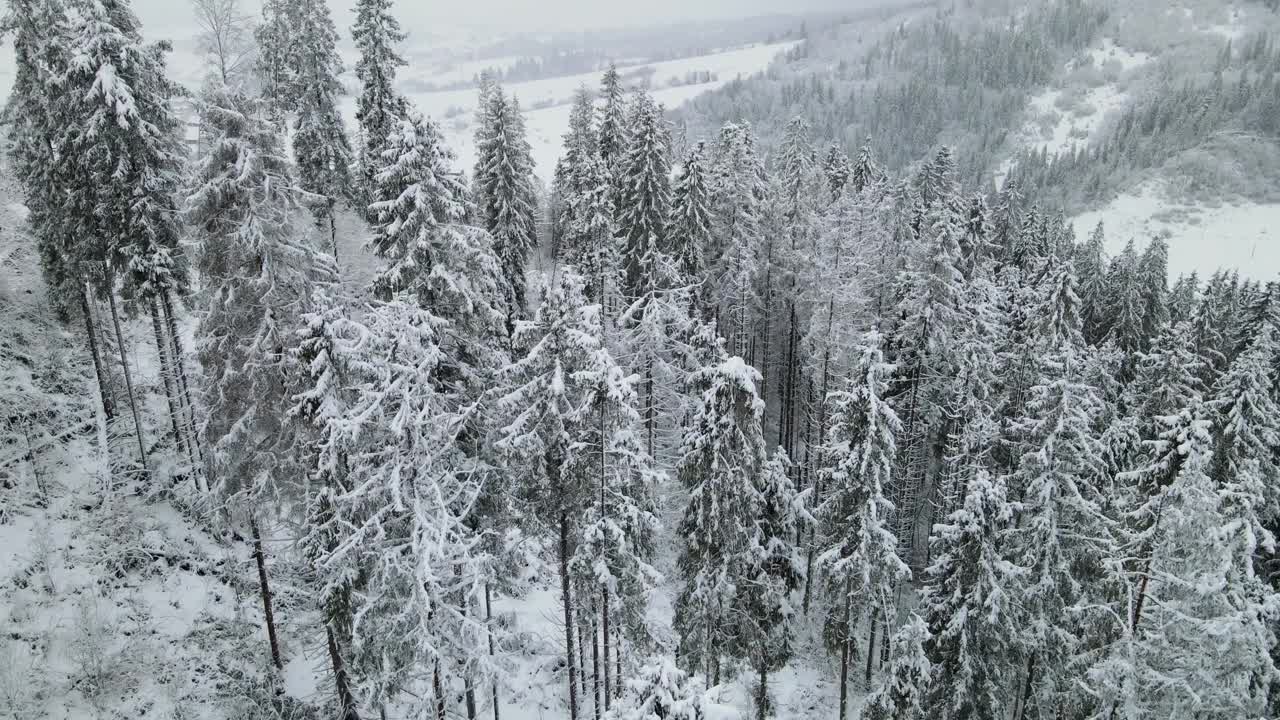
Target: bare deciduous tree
x,y
226,39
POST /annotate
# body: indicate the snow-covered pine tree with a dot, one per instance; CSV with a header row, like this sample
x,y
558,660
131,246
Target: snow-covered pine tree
x,y
1183,297
331,363
612,133
376,33
505,191
865,171
797,162
736,204
860,549
1247,430
546,404
573,178
968,606
1125,300
772,571
420,205
835,166
900,696
660,690
723,456
932,308
689,227
1063,539
613,560
1091,269
402,529
256,274
119,157
320,145
1200,623
644,194
595,250
276,66
1153,277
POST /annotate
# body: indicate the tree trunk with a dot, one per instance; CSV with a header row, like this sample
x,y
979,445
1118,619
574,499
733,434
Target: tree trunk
x,y
595,666
180,364
437,688
488,613
846,641
1026,687
91,336
582,660
617,658
650,412
762,693
333,231
128,384
267,613
604,619
844,680
166,373
569,657
871,646
346,700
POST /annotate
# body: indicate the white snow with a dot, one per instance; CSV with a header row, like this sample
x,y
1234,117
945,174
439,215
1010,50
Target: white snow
x,y
547,102
1244,236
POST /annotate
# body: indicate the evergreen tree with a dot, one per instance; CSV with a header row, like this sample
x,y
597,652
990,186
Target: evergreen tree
x,y
968,603
861,557
276,64
736,203
612,129
1091,268
723,457
644,193
505,190
865,171
660,690
548,406
1125,300
901,695
376,33
689,227
320,144
255,276
1153,276
403,529
835,166
772,572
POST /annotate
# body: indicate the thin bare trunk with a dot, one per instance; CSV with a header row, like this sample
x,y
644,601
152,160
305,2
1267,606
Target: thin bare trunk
x,y
346,700
1026,688
180,364
264,587
488,613
570,660
846,641
437,688
595,666
166,373
128,384
604,620
91,336
871,646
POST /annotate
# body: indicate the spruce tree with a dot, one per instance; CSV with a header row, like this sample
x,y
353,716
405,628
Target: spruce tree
x,y
612,128
320,145
644,193
689,227
505,191
835,166
968,604
723,457
256,274
1090,265
861,549
376,33
900,696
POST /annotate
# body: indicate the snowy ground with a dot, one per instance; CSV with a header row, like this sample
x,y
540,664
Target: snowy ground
x,y
1244,236
547,102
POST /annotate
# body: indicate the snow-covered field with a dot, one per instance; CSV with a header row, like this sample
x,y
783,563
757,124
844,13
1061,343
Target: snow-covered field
x,y
1244,235
547,102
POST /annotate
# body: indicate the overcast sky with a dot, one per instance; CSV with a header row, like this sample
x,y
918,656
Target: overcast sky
x,y
527,14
